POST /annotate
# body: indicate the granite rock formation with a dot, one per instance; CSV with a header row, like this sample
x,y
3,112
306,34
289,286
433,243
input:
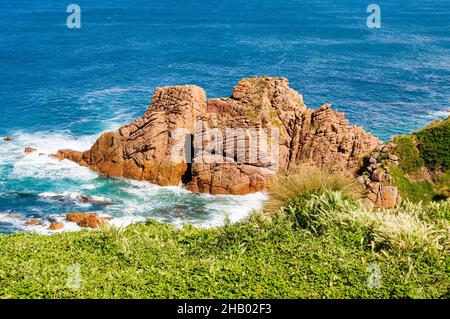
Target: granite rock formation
x,y
375,177
229,145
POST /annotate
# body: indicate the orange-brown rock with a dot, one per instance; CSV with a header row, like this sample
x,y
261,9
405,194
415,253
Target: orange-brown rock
x,y
91,220
29,150
8,138
271,129
387,197
32,222
56,226
142,150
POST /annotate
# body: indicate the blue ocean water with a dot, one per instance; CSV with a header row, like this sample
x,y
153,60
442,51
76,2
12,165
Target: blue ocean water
x,y
61,87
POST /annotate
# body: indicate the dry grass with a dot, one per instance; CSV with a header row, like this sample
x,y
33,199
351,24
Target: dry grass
x,y
306,179
401,230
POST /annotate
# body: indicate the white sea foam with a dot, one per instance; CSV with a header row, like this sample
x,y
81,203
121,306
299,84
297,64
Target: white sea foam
x,y
88,187
18,222
144,199
435,114
38,164
235,208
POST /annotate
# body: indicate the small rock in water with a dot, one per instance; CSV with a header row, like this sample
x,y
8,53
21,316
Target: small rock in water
x,y
56,226
29,150
91,200
32,222
8,138
57,156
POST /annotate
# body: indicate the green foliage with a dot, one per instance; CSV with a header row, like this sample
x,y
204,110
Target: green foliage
x,y
434,145
413,191
312,210
321,247
429,147
410,160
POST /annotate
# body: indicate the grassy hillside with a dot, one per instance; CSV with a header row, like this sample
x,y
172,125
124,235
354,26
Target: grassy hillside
x,y
424,170
320,243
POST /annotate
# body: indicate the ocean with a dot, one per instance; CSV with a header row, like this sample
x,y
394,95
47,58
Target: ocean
x,y
61,87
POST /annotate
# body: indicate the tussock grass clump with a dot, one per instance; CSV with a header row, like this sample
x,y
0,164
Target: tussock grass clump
x,y
317,212
404,230
325,203
307,179
410,229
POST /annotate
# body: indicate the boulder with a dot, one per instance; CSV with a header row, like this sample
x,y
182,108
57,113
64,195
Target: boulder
x,y
231,145
393,158
55,226
91,220
388,197
8,138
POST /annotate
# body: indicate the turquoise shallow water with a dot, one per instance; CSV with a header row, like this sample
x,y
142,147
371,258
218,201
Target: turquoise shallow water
x,y
60,88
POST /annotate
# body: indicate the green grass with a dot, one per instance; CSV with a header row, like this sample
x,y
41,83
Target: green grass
x,y
427,149
257,258
410,160
434,145
411,190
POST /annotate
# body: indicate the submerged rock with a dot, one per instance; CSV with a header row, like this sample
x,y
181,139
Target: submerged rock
x,y
32,222
226,145
29,150
95,201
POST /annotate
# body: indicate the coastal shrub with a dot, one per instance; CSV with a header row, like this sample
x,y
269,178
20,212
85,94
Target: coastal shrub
x,y
434,145
306,179
410,160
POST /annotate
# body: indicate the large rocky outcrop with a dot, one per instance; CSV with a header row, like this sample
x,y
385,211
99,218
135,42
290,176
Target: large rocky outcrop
x,y
229,145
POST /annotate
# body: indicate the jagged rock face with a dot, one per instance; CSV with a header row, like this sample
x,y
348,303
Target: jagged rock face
x,y
226,146
142,150
378,183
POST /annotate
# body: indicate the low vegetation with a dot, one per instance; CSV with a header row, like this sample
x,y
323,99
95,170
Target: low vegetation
x,y
434,145
410,160
316,240
304,180
423,173
414,191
